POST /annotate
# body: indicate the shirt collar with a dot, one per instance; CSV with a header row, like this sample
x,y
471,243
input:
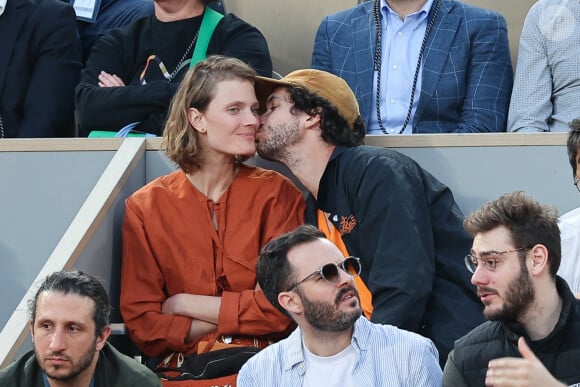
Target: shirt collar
x,y
295,357
424,11
2,6
361,334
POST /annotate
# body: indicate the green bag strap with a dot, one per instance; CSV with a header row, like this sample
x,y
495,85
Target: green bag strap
x,y
209,22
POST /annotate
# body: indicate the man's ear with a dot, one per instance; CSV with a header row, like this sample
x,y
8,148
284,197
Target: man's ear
x,y
290,301
312,120
102,337
196,120
31,327
539,255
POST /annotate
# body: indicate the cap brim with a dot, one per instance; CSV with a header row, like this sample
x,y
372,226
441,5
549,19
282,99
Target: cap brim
x,y
265,86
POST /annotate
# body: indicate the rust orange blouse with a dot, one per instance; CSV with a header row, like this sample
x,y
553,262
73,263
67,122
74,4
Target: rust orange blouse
x,y
170,246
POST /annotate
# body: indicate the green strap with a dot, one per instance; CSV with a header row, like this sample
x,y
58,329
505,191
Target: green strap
x,y
209,22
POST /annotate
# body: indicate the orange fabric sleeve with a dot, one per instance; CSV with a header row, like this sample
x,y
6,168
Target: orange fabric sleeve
x,y
142,293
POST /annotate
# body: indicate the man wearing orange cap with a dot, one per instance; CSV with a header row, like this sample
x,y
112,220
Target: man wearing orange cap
x,y
376,204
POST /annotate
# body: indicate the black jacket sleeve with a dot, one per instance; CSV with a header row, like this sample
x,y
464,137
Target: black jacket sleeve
x,y
395,236
44,70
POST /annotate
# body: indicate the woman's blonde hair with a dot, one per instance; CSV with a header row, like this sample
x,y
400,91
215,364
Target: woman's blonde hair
x,y
197,90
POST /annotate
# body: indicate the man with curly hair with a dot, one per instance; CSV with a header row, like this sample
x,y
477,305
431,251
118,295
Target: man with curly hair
x,y
375,203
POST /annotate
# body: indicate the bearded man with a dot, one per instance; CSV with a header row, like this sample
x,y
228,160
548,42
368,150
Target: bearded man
x,y
69,324
307,277
376,204
533,336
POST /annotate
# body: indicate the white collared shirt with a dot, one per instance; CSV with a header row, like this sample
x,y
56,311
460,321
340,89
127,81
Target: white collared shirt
x,y
2,6
401,43
385,356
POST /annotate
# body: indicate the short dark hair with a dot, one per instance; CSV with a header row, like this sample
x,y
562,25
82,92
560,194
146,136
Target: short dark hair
x,y
529,221
334,127
574,144
273,269
79,283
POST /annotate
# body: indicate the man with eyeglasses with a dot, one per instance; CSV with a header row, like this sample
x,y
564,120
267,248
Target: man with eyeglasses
x,y
532,337
306,276
570,221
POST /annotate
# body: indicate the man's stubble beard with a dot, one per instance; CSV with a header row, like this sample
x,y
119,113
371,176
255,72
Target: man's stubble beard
x,y
78,367
280,137
327,317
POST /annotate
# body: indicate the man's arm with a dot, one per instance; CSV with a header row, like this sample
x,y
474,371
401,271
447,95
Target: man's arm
x,y
247,376
321,54
452,377
531,102
243,41
49,104
427,371
395,234
489,78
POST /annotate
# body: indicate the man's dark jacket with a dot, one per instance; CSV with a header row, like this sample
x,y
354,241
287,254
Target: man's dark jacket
x,y
40,65
113,370
408,231
559,351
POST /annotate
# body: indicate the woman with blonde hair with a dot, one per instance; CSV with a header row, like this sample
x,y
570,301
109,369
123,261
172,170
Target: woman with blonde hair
x,y
191,238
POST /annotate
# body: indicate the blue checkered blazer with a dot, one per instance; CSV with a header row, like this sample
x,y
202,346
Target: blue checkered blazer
x,y
467,72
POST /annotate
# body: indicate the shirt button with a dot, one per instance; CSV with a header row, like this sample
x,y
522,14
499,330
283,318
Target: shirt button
x,y
392,100
395,67
400,33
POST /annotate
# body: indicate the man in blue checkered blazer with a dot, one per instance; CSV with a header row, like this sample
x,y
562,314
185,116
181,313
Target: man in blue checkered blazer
x,y
464,76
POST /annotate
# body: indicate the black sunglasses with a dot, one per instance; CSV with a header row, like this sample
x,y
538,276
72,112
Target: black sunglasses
x,y
329,271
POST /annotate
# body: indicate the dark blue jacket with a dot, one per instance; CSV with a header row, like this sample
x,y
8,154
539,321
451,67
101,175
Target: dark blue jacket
x,y
467,73
40,65
408,231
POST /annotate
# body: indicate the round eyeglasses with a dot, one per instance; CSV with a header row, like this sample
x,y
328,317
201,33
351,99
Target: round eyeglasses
x,y
488,259
329,271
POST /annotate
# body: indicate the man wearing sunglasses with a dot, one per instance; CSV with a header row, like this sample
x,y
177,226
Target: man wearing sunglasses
x,y
533,336
305,275
374,203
